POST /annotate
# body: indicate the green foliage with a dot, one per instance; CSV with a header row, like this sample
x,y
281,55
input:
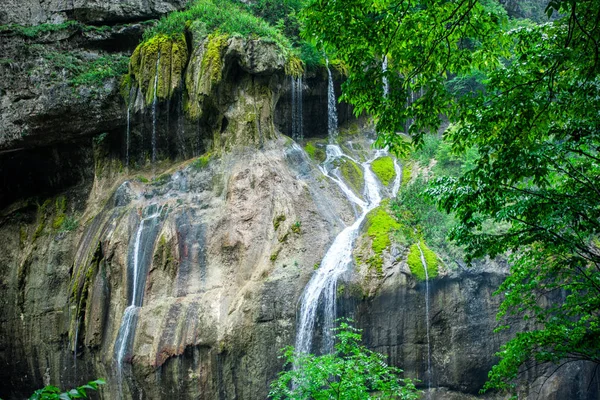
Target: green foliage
x,y
406,173
383,167
78,69
532,118
53,393
97,72
351,372
225,16
38,30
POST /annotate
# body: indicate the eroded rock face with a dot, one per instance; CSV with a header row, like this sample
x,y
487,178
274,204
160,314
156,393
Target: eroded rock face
x,y
33,12
227,241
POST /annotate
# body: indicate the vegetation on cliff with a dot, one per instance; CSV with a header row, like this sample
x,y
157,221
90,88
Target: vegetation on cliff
x,y
529,115
351,372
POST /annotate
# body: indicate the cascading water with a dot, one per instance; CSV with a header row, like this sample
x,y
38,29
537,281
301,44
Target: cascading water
x,y
336,261
332,119
154,103
429,371
297,122
386,84
138,263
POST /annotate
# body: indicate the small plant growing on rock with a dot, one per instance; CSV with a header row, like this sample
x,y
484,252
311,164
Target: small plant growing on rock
x,y
296,227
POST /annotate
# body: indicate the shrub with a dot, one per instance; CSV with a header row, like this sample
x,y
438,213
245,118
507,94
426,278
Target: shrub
x,y
351,372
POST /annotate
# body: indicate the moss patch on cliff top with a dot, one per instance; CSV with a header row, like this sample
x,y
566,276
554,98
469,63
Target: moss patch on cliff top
x,y
383,167
163,57
415,264
225,16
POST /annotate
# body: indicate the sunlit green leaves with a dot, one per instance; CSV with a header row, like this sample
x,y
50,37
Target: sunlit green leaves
x,y
351,372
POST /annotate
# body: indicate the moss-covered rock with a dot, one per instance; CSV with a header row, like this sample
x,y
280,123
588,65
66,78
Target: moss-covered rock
x,y
380,226
415,264
145,65
206,70
315,152
352,174
383,167
294,67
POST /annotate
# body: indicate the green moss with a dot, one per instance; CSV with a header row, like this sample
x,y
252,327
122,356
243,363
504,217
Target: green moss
x,y
274,256
201,162
161,179
42,219
212,60
294,67
22,236
61,208
383,167
278,220
415,264
125,87
314,152
144,61
406,173
142,179
380,226
353,175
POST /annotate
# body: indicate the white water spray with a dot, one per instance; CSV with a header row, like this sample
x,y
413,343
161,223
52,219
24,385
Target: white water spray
x,y
386,84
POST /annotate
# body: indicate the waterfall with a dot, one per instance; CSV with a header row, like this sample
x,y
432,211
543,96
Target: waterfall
x,y
332,119
386,84
154,102
338,257
138,264
429,371
297,122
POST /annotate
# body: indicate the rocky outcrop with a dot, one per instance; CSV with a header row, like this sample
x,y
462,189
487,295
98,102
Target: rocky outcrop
x,y
34,12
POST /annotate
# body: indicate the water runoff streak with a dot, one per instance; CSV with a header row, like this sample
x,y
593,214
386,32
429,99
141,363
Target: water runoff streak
x,y
332,119
138,263
297,122
154,103
429,371
322,285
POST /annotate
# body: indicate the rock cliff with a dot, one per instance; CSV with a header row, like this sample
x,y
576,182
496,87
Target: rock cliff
x,y
158,231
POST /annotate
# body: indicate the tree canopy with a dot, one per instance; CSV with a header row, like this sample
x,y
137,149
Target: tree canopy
x,y
526,97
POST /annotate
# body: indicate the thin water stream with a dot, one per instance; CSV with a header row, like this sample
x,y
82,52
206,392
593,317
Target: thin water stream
x,y
139,260
154,105
429,371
